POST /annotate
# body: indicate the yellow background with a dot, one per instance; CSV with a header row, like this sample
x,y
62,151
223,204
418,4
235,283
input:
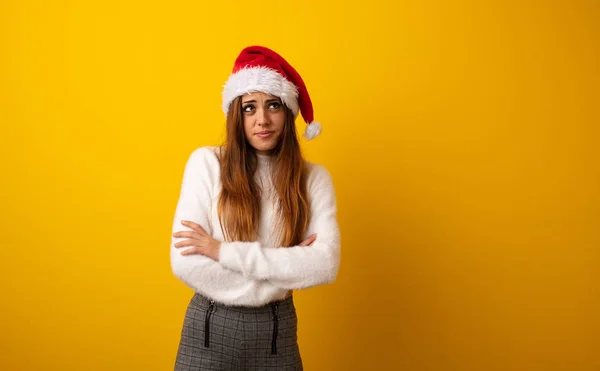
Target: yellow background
x,y
462,137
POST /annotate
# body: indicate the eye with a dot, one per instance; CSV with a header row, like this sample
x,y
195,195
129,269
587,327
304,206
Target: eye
x,y
248,108
274,105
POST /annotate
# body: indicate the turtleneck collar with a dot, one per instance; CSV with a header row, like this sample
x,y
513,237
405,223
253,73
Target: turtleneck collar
x,y
263,160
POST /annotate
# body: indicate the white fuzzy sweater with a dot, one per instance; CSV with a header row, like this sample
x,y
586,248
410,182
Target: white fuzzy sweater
x,y
254,273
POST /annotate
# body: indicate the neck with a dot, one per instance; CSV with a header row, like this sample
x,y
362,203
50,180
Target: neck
x,y
264,153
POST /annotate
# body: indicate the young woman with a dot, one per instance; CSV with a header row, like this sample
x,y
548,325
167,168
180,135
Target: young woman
x,y
254,222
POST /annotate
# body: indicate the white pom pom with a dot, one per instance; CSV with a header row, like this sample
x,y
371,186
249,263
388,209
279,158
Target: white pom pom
x,y
312,130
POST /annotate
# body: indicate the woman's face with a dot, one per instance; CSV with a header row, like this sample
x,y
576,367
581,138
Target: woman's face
x,y
264,117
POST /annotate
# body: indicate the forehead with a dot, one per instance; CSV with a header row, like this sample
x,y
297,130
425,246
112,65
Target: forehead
x,y
258,95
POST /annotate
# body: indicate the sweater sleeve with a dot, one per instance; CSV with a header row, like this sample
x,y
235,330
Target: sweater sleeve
x,y
295,267
198,272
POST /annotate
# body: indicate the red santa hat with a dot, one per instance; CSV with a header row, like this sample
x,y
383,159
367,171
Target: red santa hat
x,y
260,69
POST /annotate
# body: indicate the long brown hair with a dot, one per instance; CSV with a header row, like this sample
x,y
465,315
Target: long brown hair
x,y
239,202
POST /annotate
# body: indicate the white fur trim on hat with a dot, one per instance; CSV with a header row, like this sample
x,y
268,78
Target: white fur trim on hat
x,y
263,79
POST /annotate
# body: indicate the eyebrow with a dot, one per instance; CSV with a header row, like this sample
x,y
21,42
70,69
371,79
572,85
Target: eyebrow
x,y
267,101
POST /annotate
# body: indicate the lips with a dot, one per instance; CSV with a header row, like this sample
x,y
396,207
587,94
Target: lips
x,y
264,134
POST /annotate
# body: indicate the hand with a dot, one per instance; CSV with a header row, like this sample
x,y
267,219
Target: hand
x,y
202,242
309,241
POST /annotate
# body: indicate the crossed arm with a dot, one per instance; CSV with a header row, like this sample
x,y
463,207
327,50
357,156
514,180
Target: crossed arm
x,y
248,268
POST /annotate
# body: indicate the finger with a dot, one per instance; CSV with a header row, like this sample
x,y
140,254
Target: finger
x,y
308,241
194,226
196,250
188,234
190,251
305,242
189,242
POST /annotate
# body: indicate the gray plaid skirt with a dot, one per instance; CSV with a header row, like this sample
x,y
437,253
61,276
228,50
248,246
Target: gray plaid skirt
x,y
219,337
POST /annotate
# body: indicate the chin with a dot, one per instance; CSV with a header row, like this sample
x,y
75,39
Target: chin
x,y
264,148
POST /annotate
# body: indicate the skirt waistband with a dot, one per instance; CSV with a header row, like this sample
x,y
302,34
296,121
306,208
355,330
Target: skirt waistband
x,y
284,305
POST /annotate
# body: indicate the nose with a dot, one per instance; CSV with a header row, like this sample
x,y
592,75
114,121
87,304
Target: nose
x,y
262,119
